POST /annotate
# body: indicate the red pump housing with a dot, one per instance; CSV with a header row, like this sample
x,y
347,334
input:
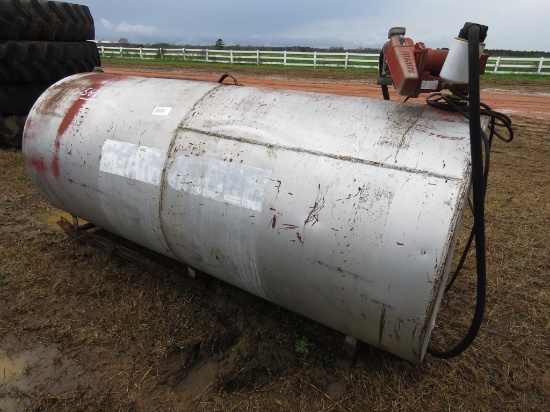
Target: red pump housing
x,y
413,68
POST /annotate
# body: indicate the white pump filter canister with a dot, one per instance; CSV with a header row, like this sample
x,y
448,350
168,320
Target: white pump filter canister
x,y
455,68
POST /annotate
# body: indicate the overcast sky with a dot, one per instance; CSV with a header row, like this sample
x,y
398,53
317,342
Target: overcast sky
x,y
513,24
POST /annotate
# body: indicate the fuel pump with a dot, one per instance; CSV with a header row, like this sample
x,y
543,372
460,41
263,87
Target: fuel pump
x,y
414,69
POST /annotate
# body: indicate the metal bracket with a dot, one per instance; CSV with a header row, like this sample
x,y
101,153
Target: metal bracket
x,y
225,76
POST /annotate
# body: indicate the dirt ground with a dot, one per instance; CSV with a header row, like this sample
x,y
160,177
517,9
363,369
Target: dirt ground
x,y
82,329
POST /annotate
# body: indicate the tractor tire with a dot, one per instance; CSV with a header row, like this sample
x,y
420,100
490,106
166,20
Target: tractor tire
x,y
11,131
45,62
45,20
17,99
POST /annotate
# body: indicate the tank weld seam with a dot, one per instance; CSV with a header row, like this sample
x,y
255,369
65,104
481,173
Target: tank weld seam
x,y
164,177
324,154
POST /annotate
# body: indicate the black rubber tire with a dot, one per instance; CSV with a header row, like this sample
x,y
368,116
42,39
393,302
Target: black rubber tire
x,y
17,99
11,131
45,20
42,62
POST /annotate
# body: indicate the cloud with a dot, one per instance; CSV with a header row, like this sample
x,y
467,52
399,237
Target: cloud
x,y
107,24
351,32
127,28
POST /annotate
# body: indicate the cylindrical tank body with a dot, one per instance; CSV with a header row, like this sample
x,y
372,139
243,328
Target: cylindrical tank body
x,y
342,209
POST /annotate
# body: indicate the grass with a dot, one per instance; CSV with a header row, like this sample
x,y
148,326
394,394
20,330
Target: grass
x,y
265,67
303,347
518,76
28,280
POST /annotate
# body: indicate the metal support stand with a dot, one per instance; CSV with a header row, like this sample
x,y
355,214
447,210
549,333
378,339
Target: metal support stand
x,y
351,348
81,232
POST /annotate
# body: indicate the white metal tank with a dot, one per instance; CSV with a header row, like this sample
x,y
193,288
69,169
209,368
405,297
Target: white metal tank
x,y
342,209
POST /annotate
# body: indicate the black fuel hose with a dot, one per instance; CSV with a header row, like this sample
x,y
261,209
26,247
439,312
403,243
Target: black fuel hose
x,y
478,189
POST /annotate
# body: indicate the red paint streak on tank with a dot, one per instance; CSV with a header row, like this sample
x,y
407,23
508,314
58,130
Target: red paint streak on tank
x,y
72,112
28,125
36,163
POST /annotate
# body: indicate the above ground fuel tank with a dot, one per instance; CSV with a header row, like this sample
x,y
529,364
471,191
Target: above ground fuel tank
x,y
342,209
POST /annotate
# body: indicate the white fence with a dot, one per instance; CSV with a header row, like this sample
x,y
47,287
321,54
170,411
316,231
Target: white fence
x,y
281,58
518,65
499,65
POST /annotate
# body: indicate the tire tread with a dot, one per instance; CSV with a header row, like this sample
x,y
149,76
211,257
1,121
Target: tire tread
x,y
45,20
33,61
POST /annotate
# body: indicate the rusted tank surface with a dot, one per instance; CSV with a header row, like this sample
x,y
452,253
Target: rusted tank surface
x,y
342,209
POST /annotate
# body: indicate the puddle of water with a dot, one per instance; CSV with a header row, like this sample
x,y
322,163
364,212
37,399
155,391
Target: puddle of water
x,y
50,218
10,368
532,114
33,371
496,90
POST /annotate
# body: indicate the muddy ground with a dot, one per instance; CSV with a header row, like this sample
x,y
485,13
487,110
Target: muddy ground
x,y
83,329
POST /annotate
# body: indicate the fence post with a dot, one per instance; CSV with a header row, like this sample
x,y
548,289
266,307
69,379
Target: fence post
x,y
140,53
257,57
102,51
183,53
496,65
541,62
120,51
346,62
231,56
206,55
314,59
161,53
284,58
